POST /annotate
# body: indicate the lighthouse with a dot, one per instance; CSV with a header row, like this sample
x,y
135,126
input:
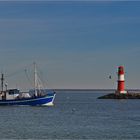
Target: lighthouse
x,y
121,93
121,81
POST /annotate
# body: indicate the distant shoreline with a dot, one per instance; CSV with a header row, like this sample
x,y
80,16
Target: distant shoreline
x,y
94,89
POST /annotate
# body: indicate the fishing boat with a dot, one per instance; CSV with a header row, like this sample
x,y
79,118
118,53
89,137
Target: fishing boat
x,y
34,97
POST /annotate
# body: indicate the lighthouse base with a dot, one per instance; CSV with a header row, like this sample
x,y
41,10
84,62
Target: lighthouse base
x,y
121,96
121,92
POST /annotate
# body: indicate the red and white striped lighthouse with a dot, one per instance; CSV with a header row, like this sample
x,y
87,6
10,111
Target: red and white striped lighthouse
x,y
121,81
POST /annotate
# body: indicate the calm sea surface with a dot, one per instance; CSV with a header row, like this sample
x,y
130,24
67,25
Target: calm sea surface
x,y
76,115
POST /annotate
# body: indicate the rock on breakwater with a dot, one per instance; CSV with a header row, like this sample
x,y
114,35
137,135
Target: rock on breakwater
x,y
121,96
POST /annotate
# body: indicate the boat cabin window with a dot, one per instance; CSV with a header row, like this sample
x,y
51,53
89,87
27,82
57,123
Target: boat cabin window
x,y
13,91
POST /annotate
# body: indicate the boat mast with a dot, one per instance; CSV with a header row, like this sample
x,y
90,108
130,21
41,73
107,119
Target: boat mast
x,y
2,81
35,79
2,89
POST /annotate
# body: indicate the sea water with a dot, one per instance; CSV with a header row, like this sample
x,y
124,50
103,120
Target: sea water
x,y
75,115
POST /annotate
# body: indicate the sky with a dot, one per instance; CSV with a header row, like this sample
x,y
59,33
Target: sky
x,y
76,44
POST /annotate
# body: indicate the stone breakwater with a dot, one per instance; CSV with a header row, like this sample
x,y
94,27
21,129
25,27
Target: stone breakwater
x,y
121,96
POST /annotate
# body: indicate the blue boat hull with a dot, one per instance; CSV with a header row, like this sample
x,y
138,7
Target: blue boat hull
x,y
34,101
